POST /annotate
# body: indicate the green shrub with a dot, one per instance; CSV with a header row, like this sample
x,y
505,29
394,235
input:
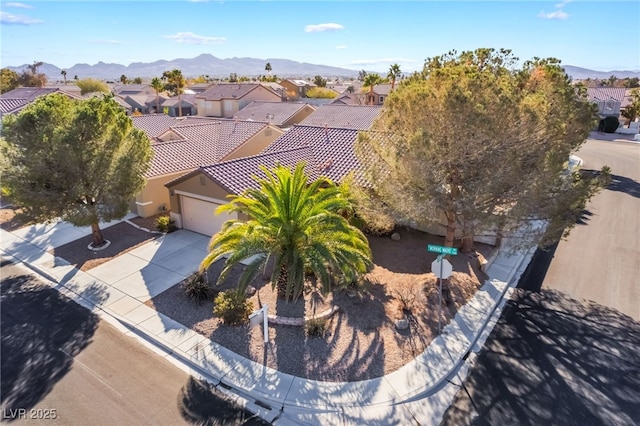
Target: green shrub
x,y
197,288
165,224
321,93
316,327
233,308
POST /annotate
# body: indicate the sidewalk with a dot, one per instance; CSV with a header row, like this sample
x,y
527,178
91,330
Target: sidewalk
x,y
419,392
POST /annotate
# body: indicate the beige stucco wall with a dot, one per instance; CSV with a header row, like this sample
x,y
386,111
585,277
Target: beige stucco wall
x,y
198,184
154,195
256,144
209,108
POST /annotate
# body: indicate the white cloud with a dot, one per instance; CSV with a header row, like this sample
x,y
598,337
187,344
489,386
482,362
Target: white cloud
x,y
102,41
18,5
191,38
11,19
342,46
563,3
558,14
383,61
318,28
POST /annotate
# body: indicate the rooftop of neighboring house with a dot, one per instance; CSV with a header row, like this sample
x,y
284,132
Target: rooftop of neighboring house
x,y
353,99
130,89
154,124
235,175
618,94
381,89
277,113
332,149
199,87
299,83
228,91
343,116
15,100
191,143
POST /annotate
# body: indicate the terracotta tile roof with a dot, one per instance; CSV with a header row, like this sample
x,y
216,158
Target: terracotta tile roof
x,y
332,149
227,91
12,105
343,116
237,175
154,124
200,142
276,113
606,93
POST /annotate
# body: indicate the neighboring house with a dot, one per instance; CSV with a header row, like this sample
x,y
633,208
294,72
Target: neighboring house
x,y
296,89
352,99
281,114
195,196
343,116
170,107
193,142
610,100
277,88
199,87
13,101
226,99
138,102
132,89
154,124
380,93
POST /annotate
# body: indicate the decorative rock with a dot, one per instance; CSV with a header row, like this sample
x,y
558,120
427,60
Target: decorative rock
x,y
250,291
402,324
395,236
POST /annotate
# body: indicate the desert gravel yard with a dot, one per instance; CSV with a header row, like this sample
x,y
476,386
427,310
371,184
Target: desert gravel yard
x,y
361,340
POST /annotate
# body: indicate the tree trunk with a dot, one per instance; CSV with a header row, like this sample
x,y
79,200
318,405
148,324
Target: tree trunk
x,y
180,105
467,238
157,103
281,285
96,234
371,96
451,230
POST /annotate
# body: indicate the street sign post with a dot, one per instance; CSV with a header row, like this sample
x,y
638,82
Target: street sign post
x,y
442,249
443,270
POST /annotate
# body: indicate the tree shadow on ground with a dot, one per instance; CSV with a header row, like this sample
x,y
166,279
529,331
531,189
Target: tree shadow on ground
x,y
554,360
585,216
202,404
42,332
625,185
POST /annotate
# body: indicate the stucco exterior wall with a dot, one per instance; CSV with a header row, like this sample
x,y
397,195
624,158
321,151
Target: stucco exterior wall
x,y
154,196
198,184
209,108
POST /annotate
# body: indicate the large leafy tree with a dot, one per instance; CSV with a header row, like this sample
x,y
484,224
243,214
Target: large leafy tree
x,y
480,145
175,84
370,80
79,160
91,85
9,80
32,77
295,224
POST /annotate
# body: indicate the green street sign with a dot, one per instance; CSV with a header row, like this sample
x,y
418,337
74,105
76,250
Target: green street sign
x,y
442,249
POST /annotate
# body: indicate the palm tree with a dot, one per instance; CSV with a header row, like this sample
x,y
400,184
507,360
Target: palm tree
x,y
157,85
394,73
123,79
174,83
64,75
267,68
370,80
296,226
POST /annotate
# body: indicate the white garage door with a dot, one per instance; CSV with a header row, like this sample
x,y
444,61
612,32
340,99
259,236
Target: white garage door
x,y
199,216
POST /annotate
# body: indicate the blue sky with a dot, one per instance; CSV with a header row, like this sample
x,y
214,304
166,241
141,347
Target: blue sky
x,y
601,35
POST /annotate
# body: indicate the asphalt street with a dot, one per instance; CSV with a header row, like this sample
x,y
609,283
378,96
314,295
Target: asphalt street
x,y
565,350
62,365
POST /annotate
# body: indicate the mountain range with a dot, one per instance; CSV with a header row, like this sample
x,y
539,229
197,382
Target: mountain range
x,y
207,64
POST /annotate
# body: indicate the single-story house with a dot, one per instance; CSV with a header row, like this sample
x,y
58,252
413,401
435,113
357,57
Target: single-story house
x,y
380,93
226,99
281,114
296,89
193,142
195,196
